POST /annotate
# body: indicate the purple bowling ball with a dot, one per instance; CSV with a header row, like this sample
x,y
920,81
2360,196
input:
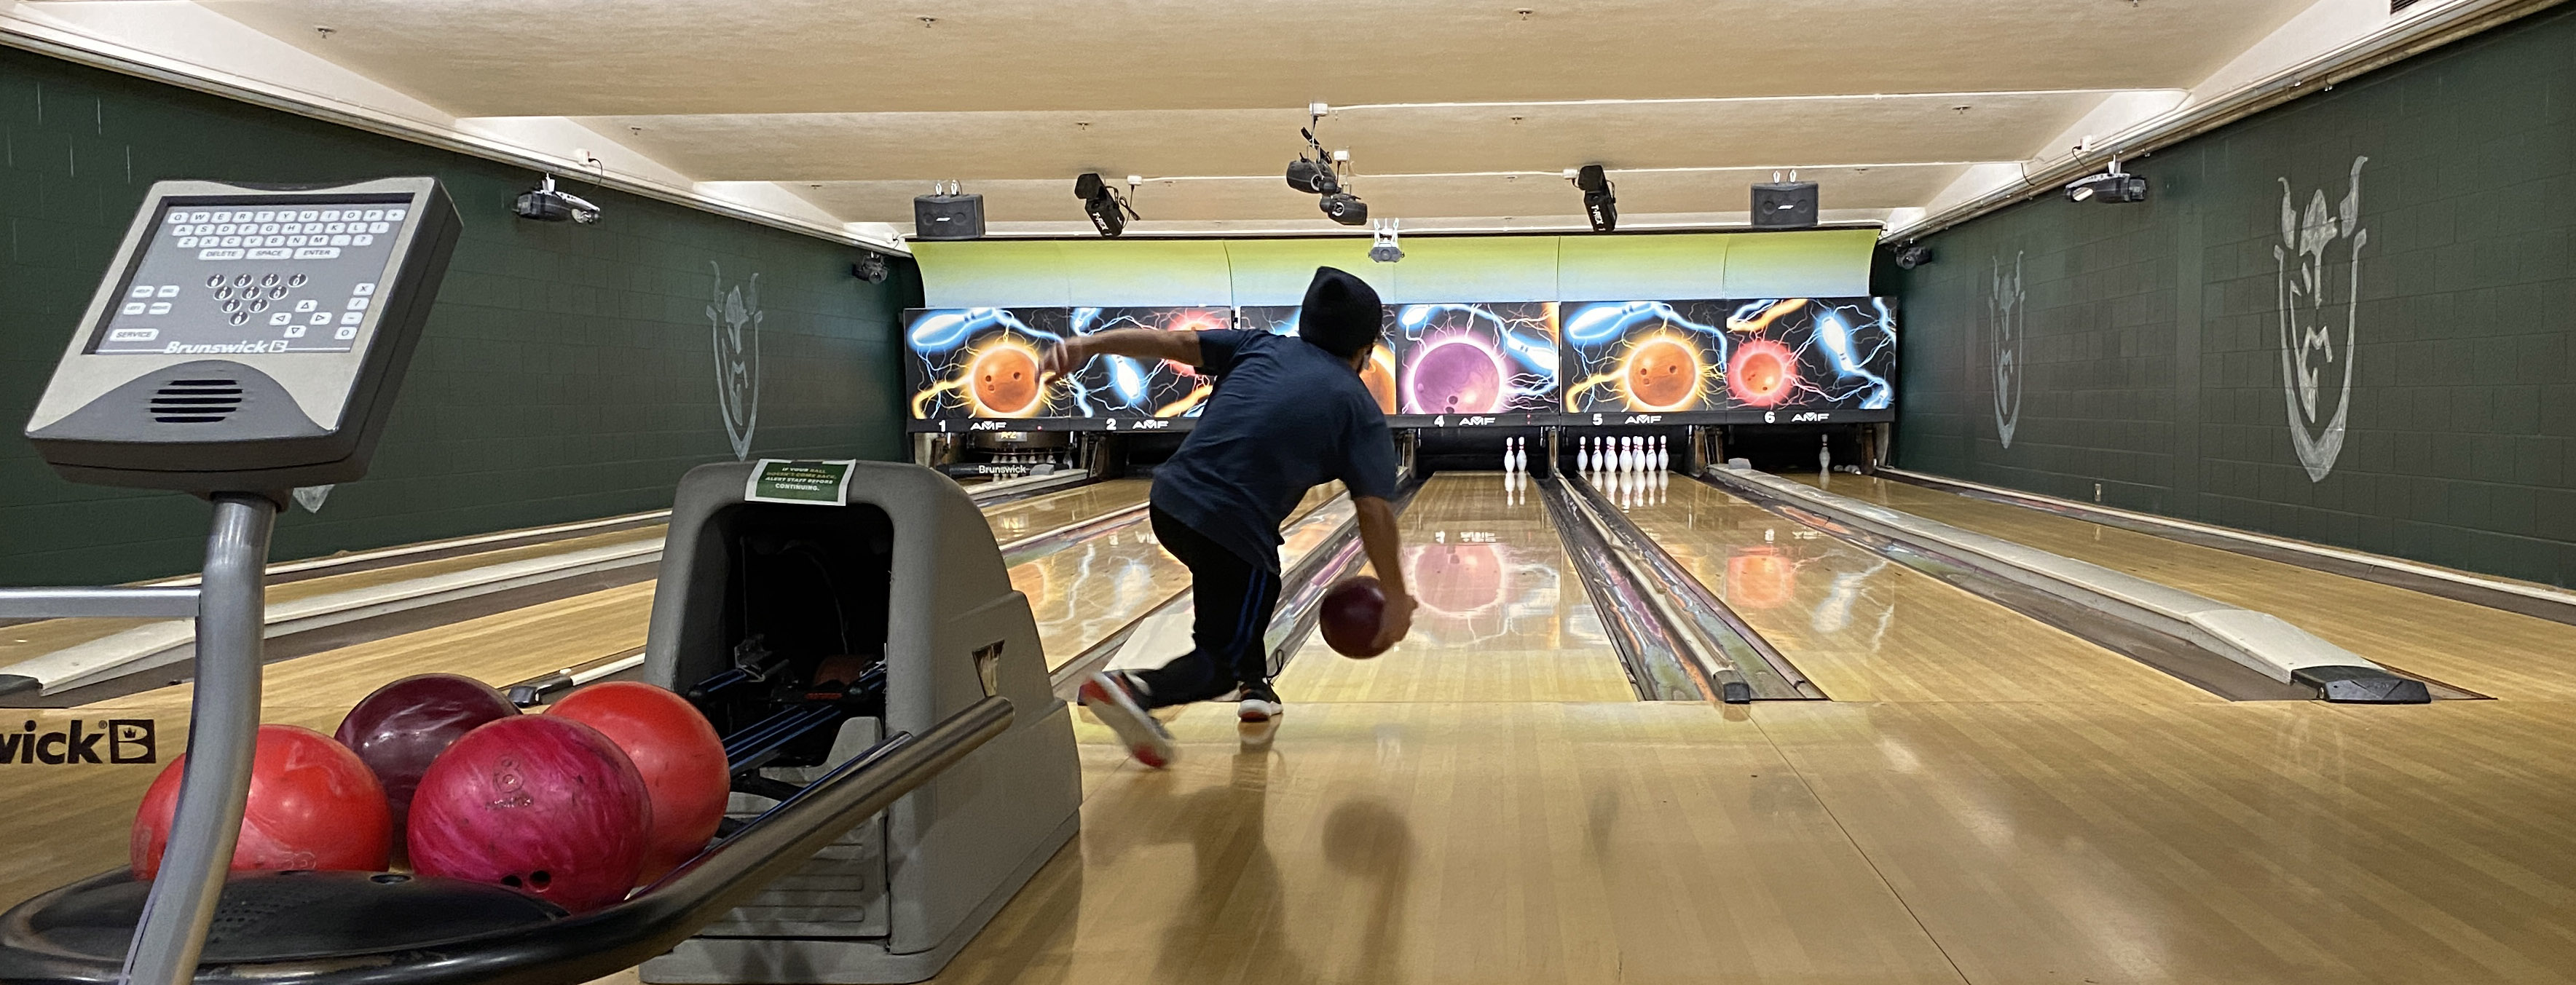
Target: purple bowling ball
x,y
399,730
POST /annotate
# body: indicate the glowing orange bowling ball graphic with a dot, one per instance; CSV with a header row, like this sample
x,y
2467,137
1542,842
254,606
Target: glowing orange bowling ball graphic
x,y
1760,578
1456,579
1762,373
1663,374
1379,374
1005,381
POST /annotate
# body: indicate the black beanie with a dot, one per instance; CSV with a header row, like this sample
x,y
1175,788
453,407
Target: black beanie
x,y
1341,313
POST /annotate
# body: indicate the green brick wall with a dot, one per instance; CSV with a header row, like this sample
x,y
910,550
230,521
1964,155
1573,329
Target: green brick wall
x,y
2151,335
568,371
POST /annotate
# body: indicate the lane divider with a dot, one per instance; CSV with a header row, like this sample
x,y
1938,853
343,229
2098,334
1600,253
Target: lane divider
x,y
151,646
2258,641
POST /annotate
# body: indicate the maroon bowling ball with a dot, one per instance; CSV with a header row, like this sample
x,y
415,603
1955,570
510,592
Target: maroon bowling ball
x,y
544,805
399,730
1350,615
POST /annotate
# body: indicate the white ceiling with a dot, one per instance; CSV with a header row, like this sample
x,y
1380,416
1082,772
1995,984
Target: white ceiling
x,y
857,105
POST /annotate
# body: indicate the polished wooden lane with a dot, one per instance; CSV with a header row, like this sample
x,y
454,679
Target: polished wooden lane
x,y
2271,842
1039,514
1010,521
26,640
1502,617
2022,843
1088,591
1384,842
2490,651
1867,629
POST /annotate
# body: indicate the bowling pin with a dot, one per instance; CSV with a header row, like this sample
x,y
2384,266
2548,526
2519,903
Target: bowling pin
x,y
1663,455
1583,454
1824,454
1619,454
1628,454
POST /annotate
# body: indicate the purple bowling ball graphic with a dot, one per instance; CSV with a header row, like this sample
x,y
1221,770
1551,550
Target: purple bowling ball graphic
x,y
1454,375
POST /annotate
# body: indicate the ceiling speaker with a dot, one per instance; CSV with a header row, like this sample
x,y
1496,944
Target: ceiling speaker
x,y
947,215
1784,205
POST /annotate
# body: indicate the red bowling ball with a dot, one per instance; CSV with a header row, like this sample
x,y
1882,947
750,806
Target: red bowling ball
x,y
1350,615
401,728
312,805
539,803
678,753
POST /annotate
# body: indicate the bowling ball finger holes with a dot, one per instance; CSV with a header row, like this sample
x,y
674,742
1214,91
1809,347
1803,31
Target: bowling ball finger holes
x,y
537,880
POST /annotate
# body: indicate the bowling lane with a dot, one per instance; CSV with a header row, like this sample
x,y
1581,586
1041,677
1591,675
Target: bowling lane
x,y
1502,618
1039,514
2490,651
1091,589
1867,629
35,639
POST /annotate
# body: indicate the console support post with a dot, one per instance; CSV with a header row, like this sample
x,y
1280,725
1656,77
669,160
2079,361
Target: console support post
x,y
223,734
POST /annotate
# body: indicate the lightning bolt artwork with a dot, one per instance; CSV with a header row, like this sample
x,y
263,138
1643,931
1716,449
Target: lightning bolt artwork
x,y
1125,387
1681,357
983,363
1435,362
1476,358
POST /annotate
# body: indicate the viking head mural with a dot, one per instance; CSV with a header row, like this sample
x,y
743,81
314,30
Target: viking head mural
x,y
2005,312
2319,257
735,317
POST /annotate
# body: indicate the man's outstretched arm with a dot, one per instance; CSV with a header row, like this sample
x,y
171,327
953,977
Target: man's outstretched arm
x,y
1377,535
1136,343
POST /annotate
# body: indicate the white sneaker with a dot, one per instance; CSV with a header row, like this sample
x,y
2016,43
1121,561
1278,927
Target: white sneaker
x,y
1260,704
1111,696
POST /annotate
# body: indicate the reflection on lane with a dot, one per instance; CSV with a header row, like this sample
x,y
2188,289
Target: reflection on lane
x,y
1865,629
1037,515
1498,621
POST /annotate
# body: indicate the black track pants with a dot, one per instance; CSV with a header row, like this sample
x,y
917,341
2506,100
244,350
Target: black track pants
x,y
1234,600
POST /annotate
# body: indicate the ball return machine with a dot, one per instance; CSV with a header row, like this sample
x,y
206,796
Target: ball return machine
x,y
857,655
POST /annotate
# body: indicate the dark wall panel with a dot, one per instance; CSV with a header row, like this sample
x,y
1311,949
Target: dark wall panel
x,y
568,372
2149,352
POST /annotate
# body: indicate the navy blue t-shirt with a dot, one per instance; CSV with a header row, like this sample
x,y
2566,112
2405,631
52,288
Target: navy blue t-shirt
x,y
1286,417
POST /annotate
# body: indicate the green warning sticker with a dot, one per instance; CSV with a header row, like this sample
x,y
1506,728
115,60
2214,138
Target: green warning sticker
x,y
787,480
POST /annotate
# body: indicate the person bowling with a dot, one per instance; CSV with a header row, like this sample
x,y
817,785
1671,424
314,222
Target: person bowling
x,y
1288,414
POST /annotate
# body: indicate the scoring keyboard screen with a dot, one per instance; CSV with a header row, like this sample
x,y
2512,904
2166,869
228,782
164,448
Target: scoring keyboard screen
x,y
261,277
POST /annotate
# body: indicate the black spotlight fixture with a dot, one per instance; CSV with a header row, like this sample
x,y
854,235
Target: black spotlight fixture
x,y
1345,208
1316,172
2112,186
1109,212
1312,171
1600,204
1912,255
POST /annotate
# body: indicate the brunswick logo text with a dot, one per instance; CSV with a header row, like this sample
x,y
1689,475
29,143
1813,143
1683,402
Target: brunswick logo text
x,y
118,741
